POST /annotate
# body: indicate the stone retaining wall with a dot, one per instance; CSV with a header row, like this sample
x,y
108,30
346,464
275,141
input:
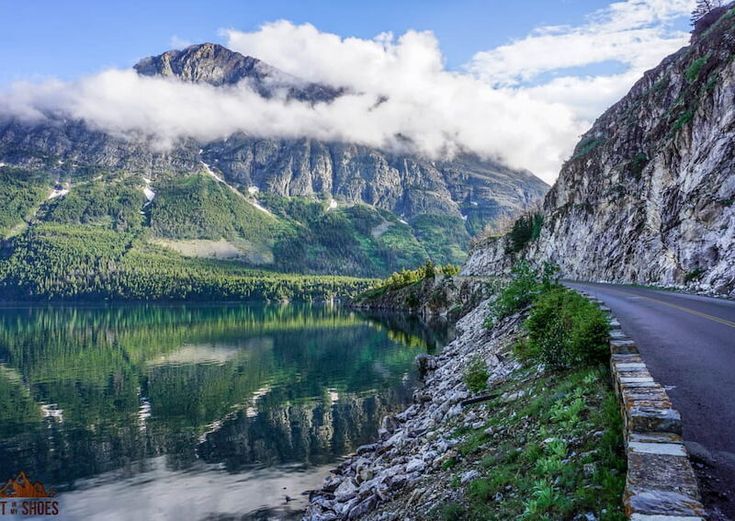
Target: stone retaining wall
x,y
661,485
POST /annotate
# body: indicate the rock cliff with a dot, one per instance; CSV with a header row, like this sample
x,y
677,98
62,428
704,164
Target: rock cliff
x,y
648,195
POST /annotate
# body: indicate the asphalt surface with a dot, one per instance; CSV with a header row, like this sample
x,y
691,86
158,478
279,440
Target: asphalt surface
x,y
688,343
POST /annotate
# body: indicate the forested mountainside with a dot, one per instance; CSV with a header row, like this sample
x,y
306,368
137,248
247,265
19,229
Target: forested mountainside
x,y
649,194
296,205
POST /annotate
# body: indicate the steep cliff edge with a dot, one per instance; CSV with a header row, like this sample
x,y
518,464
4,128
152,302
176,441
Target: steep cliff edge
x,y
648,195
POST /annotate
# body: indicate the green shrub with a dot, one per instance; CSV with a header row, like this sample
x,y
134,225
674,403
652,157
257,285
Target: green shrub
x,y
638,164
450,270
525,284
692,72
694,275
565,329
476,376
685,118
452,512
526,229
586,146
519,293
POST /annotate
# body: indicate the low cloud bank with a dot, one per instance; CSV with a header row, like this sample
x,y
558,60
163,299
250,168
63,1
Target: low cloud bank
x,y
398,89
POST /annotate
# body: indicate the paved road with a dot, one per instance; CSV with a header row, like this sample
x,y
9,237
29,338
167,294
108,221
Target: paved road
x,y
688,342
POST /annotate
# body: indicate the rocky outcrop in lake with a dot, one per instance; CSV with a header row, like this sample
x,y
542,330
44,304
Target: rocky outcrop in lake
x,y
439,297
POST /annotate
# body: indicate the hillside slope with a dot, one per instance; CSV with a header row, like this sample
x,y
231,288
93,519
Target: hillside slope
x,y
649,193
468,187
441,202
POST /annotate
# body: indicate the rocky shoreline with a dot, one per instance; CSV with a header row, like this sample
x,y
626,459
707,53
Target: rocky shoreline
x,y
398,476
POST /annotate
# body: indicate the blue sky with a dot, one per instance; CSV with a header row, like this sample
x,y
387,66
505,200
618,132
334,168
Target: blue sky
x,y
65,39
519,81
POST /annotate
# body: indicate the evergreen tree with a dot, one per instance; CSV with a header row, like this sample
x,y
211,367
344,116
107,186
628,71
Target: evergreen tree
x,y
703,8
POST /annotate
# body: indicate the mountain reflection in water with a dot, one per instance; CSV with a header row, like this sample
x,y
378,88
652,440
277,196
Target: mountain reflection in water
x,y
195,412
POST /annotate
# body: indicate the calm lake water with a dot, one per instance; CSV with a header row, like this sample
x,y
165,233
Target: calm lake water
x,y
194,412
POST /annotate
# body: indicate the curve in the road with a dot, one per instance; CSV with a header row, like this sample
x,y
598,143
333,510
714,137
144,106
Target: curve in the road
x,y
688,343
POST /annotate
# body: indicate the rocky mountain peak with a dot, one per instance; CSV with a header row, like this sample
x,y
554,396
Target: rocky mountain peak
x,y
207,62
219,66
460,194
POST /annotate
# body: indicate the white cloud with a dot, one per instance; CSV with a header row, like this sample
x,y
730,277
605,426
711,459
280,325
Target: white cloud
x,y
397,87
634,35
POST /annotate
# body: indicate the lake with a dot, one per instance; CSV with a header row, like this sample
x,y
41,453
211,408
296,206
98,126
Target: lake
x,y
195,412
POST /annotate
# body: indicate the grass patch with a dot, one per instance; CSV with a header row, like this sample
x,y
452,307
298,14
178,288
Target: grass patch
x,y
692,72
586,146
683,119
452,512
558,451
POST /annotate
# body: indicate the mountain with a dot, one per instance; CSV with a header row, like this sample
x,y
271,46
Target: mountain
x,y
218,66
648,196
297,205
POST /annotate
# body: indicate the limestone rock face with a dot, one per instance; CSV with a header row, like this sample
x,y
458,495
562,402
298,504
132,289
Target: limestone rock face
x,y
649,194
464,186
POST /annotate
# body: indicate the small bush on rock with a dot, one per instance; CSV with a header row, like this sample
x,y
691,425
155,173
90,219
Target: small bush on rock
x,y
453,512
694,275
450,270
692,72
526,229
476,376
525,285
565,330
